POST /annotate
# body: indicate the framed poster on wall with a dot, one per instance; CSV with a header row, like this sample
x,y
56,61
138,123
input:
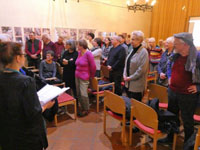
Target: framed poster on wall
x,y
7,30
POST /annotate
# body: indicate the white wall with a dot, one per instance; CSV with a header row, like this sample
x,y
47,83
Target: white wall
x,y
88,14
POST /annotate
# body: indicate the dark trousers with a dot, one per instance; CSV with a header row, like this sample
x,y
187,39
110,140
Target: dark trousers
x,y
186,104
116,77
34,62
135,95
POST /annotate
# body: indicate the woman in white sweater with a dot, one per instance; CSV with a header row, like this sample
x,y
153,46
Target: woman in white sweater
x,y
97,52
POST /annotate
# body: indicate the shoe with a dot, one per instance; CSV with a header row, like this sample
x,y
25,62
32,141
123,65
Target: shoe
x,y
135,130
83,113
166,140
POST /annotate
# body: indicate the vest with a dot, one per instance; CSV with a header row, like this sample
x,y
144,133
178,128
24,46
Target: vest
x,y
36,46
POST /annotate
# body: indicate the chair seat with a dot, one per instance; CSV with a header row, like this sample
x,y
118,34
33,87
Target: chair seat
x,y
114,115
196,118
163,105
145,128
64,98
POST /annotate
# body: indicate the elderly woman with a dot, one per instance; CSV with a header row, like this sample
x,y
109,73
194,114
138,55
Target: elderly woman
x,y
85,69
22,125
97,52
162,66
68,62
136,67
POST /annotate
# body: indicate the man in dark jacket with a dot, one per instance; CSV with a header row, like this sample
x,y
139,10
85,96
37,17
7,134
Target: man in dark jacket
x,y
33,50
115,63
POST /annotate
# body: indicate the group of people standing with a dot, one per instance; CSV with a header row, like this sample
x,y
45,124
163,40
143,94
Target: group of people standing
x,y
178,68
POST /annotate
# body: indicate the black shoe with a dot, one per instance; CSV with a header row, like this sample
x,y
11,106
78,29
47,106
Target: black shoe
x,y
166,140
135,130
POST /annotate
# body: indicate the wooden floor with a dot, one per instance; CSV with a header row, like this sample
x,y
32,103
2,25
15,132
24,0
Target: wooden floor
x,y
87,134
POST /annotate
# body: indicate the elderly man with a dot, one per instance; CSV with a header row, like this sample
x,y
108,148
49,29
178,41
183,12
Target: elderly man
x,y
59,47
122,41
184,82
162,65
154,54
33,49
115,63
48,45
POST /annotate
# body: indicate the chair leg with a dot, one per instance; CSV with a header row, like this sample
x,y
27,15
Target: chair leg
x,y
75,110
104,121
174,141
130,133
97,103
124,135
155,143
197,142
55,120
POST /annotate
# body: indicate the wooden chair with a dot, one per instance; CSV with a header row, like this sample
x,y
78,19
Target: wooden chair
x,y
104,72
197,140
96,89
64,100
152,76
147,122
160,92
114,103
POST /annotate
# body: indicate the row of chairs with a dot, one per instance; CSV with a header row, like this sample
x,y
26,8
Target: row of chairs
x,y
146,120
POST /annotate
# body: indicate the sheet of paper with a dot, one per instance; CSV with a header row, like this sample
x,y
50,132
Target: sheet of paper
x,y
49,92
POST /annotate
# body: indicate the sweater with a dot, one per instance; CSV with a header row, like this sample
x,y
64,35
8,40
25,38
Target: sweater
x,y
180,78
116,58
155,55
97,56
85,66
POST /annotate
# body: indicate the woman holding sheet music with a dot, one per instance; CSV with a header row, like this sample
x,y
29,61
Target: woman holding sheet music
x,y
22,125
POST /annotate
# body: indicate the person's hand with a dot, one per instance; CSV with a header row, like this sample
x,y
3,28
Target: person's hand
x,y
48,105
109,68
162,76
65,62
127,78
192,89
34,56
169,81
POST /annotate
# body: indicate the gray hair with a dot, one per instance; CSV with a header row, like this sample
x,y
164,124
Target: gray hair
x,y
47,36
72,43
152,39
170,39
139,35
117,38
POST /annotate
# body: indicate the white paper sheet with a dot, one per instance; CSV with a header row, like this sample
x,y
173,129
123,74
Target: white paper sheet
x,y
49,92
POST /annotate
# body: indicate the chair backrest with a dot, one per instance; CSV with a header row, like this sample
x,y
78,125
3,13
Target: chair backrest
x,y
59,70
105,71
158,91
94,83
114,102
152,76
144,114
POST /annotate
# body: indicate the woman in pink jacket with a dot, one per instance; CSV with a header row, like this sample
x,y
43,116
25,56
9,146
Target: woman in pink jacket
x,y
85,69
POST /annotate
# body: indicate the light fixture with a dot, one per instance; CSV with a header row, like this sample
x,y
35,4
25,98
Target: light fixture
x,y
139,6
